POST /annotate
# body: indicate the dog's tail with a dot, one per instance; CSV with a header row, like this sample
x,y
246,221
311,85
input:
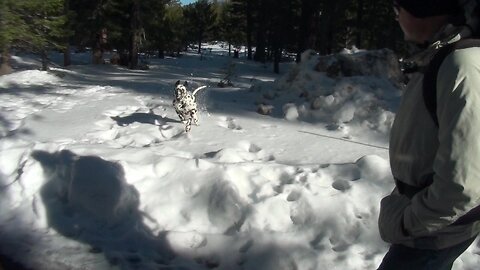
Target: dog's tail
x,y
198,89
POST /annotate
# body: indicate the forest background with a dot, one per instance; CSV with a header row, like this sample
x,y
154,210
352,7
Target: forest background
x,y
271,31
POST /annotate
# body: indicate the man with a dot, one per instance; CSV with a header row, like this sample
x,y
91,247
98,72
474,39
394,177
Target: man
x,y
431,217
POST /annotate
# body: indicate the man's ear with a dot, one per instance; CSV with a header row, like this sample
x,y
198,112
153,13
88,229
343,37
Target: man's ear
x,y
177,83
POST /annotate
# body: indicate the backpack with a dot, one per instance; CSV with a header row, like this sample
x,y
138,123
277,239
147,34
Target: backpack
x,y
431,72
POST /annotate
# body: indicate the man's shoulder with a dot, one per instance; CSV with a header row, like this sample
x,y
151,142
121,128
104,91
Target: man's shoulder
x,y
465,56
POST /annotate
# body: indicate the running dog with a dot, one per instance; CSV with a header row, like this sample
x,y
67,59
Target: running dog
x,y
185,104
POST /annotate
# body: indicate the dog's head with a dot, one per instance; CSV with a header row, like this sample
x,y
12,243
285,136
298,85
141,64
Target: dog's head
x,y
180,89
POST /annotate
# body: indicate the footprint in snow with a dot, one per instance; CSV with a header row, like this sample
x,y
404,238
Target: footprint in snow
x,y
294,196
229,122
340,242
104,135
169,132
244,151
301,212
266,126
122,111
152,103
246,246
128,126
341,185
339,245
186,240
126,115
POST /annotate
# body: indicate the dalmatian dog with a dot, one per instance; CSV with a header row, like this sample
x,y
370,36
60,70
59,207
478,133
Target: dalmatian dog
x,y
185,104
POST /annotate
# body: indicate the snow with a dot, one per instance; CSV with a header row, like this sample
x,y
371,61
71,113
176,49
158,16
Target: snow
x,y
96,171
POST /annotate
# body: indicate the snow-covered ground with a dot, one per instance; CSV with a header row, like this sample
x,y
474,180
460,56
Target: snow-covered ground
x,y
96,171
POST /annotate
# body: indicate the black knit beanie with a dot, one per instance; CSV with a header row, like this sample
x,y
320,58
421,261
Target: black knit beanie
x,y
428,8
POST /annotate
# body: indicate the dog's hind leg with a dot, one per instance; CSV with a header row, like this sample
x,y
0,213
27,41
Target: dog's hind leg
x,y
194,117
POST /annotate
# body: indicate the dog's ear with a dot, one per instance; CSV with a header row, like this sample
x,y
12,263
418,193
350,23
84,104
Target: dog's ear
x,y
177,83
185,84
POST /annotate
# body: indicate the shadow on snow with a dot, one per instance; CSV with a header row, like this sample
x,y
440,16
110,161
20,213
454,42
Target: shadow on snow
x,y
144,118
88,199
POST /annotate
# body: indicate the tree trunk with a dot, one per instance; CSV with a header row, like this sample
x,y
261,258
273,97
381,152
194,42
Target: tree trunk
x,y
135,30
277,55
330,23
326,25
97,53
358,36
44,60
249,28
67,60
307,27
5,67
161,52
199,44
261,34
66,53
276,49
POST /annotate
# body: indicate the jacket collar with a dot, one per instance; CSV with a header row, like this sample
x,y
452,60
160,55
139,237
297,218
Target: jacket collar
x,y
424,53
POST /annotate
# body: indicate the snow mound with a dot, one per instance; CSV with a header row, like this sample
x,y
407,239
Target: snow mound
x,y
378,63
374,168
291,112
354,90
28,78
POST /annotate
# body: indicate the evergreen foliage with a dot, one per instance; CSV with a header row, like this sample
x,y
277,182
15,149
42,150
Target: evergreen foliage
x,y
174,34
272,30
231,24
200,17
32,25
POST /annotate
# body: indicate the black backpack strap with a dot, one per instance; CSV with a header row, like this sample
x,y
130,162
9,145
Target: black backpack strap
x,y
431,73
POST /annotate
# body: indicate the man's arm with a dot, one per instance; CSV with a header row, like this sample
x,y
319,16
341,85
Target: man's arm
x,y
456,186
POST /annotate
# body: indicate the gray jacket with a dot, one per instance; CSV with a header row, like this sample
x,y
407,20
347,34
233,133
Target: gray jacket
x,y
448,154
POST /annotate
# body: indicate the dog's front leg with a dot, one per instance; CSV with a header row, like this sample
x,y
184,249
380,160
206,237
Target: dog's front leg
x,y
188,125
181,116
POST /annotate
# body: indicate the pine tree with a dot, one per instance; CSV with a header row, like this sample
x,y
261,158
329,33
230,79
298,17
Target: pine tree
x,y
155,25
310,11
32,25
280,28
243,12
104,25
11,26
175,28
68,15
232,25
201,17
261,31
